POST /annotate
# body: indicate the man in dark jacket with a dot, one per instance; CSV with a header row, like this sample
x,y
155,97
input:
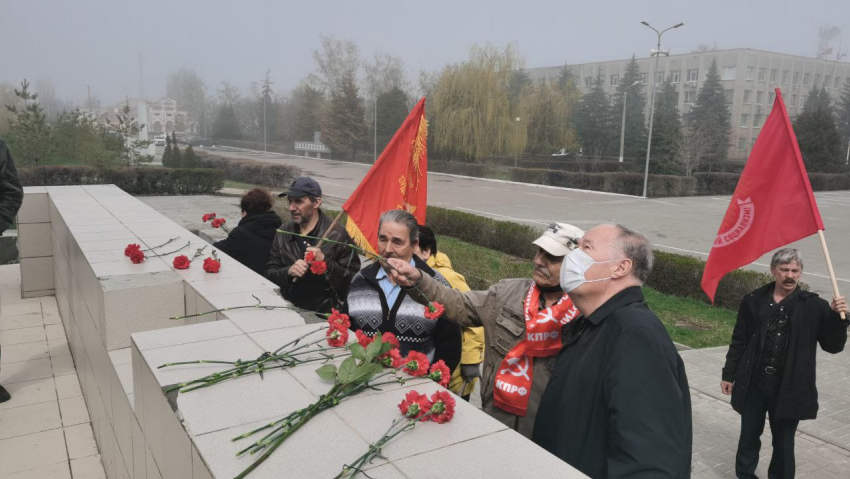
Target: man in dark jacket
x,y
287,266
11,197
378,304
770,366
617,404
251,241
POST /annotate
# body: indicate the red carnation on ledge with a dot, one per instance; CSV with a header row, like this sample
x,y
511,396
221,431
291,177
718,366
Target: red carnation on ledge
x,y
415,364
137,256
362,338
217,222
393,359
337,337
318,267
208,216
182,262
337,318
440,373
434,310
443,409
414,405
130,248
212,265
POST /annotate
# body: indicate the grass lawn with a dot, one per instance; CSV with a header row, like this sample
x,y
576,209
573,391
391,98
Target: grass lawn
x,y
688,321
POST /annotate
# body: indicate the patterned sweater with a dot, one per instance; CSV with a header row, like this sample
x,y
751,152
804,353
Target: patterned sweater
x,y
368,310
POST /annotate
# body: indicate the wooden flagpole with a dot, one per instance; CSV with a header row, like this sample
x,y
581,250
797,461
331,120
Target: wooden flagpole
x,y
829,268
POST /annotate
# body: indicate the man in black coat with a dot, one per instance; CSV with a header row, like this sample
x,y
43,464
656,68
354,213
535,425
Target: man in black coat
x,y
11,197
288,266
617,404
251,241
770,366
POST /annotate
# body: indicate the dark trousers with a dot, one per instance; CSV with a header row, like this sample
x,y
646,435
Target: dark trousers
x,y
761,399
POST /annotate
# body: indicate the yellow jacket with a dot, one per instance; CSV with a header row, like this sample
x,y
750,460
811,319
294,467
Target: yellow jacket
x,y
473,338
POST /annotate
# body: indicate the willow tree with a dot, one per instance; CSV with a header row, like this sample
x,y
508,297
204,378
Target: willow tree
x,y
549,108
471,108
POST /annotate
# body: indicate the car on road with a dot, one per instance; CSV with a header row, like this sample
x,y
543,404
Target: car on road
x,y
159,140
197,141
564,153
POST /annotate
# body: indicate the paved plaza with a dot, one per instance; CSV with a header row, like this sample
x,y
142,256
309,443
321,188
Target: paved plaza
x,y
45,430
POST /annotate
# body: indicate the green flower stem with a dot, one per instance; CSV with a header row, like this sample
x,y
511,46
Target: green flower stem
x,y
375,448
163,244
170,252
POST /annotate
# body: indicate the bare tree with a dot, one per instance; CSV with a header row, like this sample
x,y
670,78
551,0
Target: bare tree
x,y
692,148
336,60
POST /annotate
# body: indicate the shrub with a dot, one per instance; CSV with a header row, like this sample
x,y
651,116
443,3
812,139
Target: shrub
x,y
725,183
511,238
253,172
134,180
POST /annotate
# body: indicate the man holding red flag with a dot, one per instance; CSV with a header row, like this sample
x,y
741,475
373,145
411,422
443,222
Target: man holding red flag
x,y
770,366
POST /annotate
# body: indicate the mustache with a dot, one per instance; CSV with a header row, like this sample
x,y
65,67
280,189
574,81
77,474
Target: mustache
x,y
543,271
789,281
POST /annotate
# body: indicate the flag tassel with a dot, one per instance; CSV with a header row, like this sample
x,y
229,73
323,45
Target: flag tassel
x,y
829,268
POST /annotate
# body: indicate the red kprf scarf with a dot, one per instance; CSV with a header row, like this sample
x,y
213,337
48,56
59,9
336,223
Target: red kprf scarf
x,y
542,339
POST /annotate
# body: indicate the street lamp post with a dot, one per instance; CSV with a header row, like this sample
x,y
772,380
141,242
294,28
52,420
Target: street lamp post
x,y
516,136
623,127
656,52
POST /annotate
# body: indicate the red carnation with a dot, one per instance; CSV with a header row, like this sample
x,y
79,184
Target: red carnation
x,y
337,337
216,223
339,319
440,373
211,265
182,262
318,267
416,364
392,359
310,257
208,216
434,310
414,405
443,408
137,256
362,338
130,248
389,337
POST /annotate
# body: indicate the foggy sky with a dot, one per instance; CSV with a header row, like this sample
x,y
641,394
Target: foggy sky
x,y
97,42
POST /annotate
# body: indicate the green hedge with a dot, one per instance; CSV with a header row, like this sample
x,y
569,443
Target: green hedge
x,y
725,183
252,172
135,180
625,183
674,274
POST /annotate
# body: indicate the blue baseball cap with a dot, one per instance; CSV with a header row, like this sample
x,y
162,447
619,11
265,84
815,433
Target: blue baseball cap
x,y
301,187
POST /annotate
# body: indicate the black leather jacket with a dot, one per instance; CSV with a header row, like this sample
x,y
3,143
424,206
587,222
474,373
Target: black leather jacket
x,y
11,191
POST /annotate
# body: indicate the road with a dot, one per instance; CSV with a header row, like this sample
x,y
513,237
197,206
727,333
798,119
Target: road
x,y
680,225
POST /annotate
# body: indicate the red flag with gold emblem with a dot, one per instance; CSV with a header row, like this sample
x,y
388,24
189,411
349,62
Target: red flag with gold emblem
x,y
773,204
397,181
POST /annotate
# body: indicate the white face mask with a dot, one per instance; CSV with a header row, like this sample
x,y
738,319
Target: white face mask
x,y
576,263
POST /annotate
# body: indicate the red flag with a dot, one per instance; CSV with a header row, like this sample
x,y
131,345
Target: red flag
x,y
397,181
773,204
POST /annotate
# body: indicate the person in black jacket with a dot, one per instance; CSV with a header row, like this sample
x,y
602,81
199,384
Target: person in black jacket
x,y
288,267
770,366
251,241
617,404
11,197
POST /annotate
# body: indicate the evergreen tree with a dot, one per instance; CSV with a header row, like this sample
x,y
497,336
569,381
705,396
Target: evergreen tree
x,y
636,131
710,117
593,120
226,125
190,159
167,154
844,112
29,135
666,130
267,109
566,80
176,157
392,110
309,107
818,137
343,129
519,80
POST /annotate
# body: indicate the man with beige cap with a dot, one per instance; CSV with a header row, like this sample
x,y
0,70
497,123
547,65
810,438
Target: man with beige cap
x,y
523,320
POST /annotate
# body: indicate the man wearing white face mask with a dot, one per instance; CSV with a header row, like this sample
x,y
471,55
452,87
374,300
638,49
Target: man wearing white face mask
x,y
617,404
524,320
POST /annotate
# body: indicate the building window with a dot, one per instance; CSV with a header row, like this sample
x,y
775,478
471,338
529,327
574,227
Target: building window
x,y
757,120
745,121
785,77
588,82
793,101
675,76
774,74
747,96
805,79
615,80
729,94
826,81
836,82
659,77
770,97
613,100
803,100
753,144
728,73
643,77
749,73
742,143
762,72
690,97
817,80
693,75
795,80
